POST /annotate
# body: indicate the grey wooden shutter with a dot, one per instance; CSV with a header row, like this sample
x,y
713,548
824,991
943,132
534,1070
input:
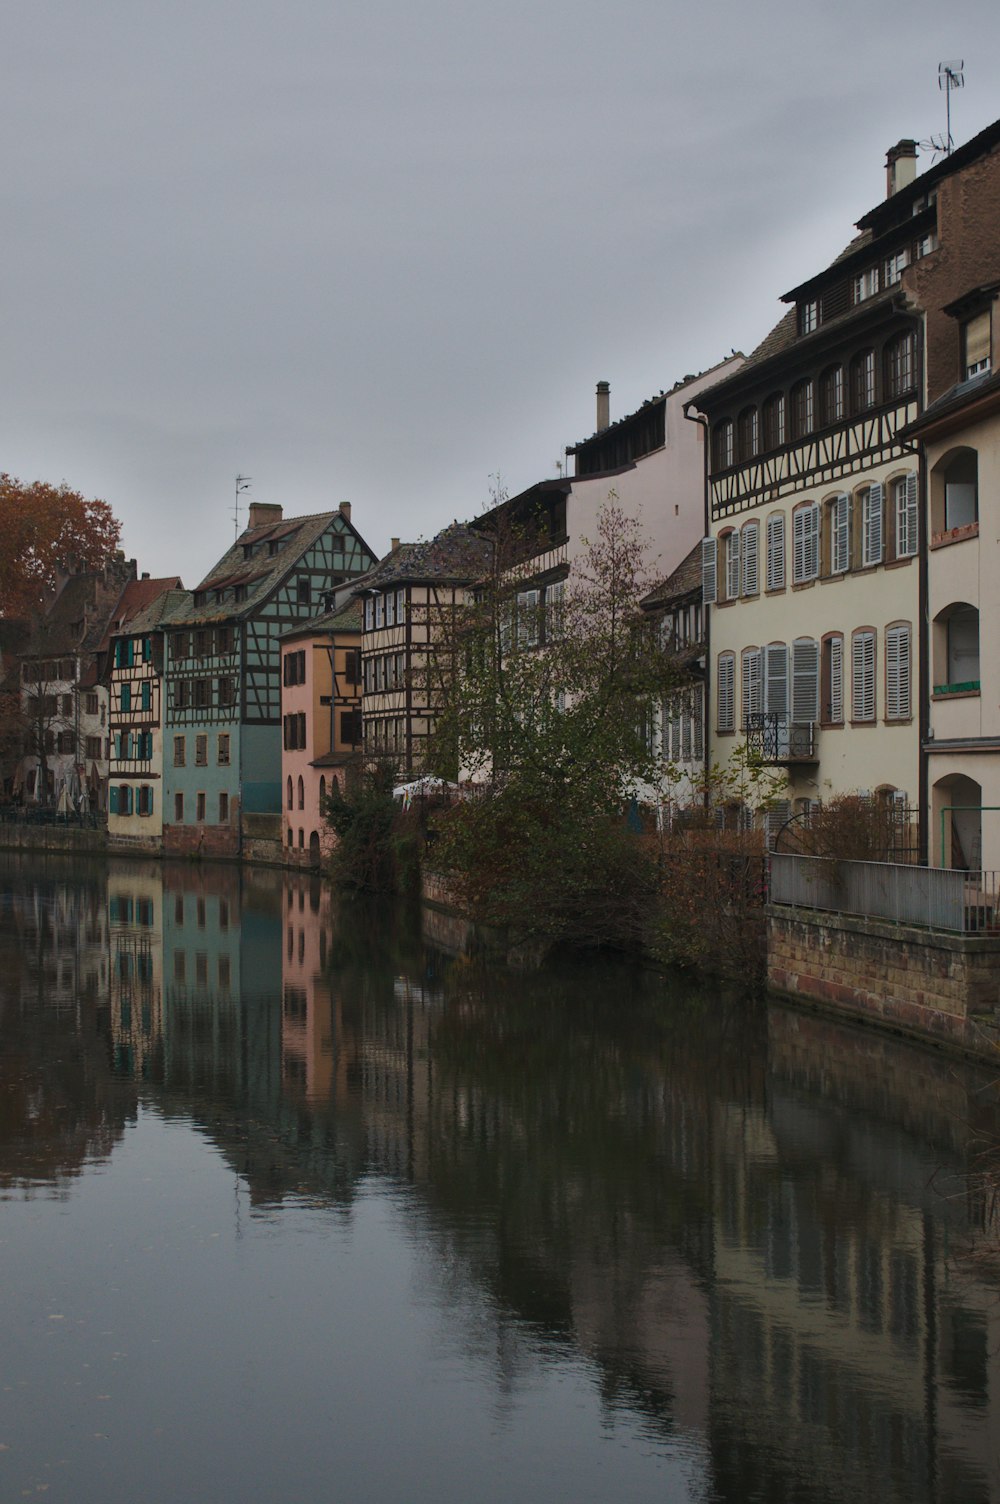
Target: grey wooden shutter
x,y
709,571
776,678
805,680
776,551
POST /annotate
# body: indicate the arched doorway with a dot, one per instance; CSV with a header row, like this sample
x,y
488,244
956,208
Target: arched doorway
x,y
958,818
314,849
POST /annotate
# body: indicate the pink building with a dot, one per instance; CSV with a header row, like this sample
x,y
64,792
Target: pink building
x,y
321,725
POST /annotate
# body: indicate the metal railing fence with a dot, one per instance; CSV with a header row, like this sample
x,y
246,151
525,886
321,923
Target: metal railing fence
x,y
935,898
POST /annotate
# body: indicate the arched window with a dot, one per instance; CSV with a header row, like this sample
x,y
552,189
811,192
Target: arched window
x,y
302,796
322,789
748,434
803,409
831,396
956,649
961,489
774,421
722,444
863,381
900,369
290,804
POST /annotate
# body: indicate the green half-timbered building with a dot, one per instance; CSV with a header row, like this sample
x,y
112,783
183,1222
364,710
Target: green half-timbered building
x,y
222,729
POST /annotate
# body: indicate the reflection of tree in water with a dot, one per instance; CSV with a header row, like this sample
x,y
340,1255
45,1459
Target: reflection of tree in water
x,y
60,1104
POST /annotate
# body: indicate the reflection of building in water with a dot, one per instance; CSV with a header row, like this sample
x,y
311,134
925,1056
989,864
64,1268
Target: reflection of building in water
x,y
839,1305
135,954
313,1061
61,935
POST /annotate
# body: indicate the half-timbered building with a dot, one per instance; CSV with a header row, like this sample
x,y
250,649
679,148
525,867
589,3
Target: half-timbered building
x,y
222,742
410,605
320,724
677,725
134,676
812,559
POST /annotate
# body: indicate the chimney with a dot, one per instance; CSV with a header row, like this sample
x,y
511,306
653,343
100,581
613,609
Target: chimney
x,y
345,510
900,166
395,545
264,513
603,405
145,574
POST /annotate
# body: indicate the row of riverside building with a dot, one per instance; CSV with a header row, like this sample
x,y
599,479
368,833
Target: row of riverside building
x,y
823,516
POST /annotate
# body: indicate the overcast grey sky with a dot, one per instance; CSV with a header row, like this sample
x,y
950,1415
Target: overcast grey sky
x,y
378,252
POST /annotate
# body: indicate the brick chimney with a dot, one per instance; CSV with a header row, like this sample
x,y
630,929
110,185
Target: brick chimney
x,y
900,166
394,542
264,513
345,510
603,405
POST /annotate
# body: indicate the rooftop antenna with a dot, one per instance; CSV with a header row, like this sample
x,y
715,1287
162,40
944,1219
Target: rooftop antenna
x,y
242,484
950,76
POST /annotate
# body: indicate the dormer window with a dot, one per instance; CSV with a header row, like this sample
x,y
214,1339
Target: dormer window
x,y
248,550
976,346
866,284
809,316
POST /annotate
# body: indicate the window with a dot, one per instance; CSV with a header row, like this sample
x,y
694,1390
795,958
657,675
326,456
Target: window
x,y
223,640
181,688
90,704
66,741
809,316
752,674
528,624
200,807
904,493
839,520
224,688
390,608
201,638
202,693
776,679
401,598
555,603
67,705
369,613
871,525
802,408
179,808
350,728
731,543
722,444
925,245
776,551
289,798
92,747
805,680
774,421
223,808
303,590
709,571
747,433
145,800
749,548
866,284
126,699
832,680
897,672
352,665
725,698
380,611
179,751
295,667
146,695
223,749
291,842
961,490
201,751
863,381
863,675
956,649
805,543
899,365
831,395
976,346
894,266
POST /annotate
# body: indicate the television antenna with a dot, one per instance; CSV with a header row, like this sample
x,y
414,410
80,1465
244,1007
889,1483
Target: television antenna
x,y
951,75
242,484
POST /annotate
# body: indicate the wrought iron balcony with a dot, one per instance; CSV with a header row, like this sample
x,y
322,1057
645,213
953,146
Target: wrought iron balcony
x,y
778,739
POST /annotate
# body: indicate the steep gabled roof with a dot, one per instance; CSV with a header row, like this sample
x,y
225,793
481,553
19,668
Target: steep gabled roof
x,y
344,619
135,599
685,580
457,555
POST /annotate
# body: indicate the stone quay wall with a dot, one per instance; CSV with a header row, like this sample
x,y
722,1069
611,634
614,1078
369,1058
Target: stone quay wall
x,y
942,986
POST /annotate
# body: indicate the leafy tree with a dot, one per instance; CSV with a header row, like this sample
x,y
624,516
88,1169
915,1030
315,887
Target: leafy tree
x,y
44,527
549,711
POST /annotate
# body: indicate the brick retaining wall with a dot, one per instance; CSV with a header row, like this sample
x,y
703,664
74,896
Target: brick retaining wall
x,y
937,985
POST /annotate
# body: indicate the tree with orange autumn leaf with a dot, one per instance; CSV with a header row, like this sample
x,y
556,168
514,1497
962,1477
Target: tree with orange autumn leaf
x,y
43,528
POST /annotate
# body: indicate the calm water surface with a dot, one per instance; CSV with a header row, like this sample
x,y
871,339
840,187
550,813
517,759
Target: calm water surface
x,y
294,1206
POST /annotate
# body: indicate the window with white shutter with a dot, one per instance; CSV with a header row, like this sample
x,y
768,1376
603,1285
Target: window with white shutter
x,y
906,516
750,550
732,565
776,551
709,571
805,680
752,667
369,613
776,678
872,530
897,673
833,681
675,729
726,705
390,608
840,534
863,676
686,732
698,720
805,543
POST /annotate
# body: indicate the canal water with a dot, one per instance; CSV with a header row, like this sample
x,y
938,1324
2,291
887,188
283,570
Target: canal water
x,y
298,1206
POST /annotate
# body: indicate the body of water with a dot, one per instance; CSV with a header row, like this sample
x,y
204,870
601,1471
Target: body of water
x,y
296,1205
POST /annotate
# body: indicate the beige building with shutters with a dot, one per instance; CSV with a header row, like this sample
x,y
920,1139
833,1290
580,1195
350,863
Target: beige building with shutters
x,y
815,547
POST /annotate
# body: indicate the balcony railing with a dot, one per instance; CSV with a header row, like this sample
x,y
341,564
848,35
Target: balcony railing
x,y
778,739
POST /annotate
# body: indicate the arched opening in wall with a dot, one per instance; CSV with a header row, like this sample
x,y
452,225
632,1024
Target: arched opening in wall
x,y
957,812
289,791
302,794
322,791
955,649
314,848
955,490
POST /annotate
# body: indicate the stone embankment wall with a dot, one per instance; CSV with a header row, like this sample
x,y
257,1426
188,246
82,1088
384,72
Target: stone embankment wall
x,y
944,986
71,838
